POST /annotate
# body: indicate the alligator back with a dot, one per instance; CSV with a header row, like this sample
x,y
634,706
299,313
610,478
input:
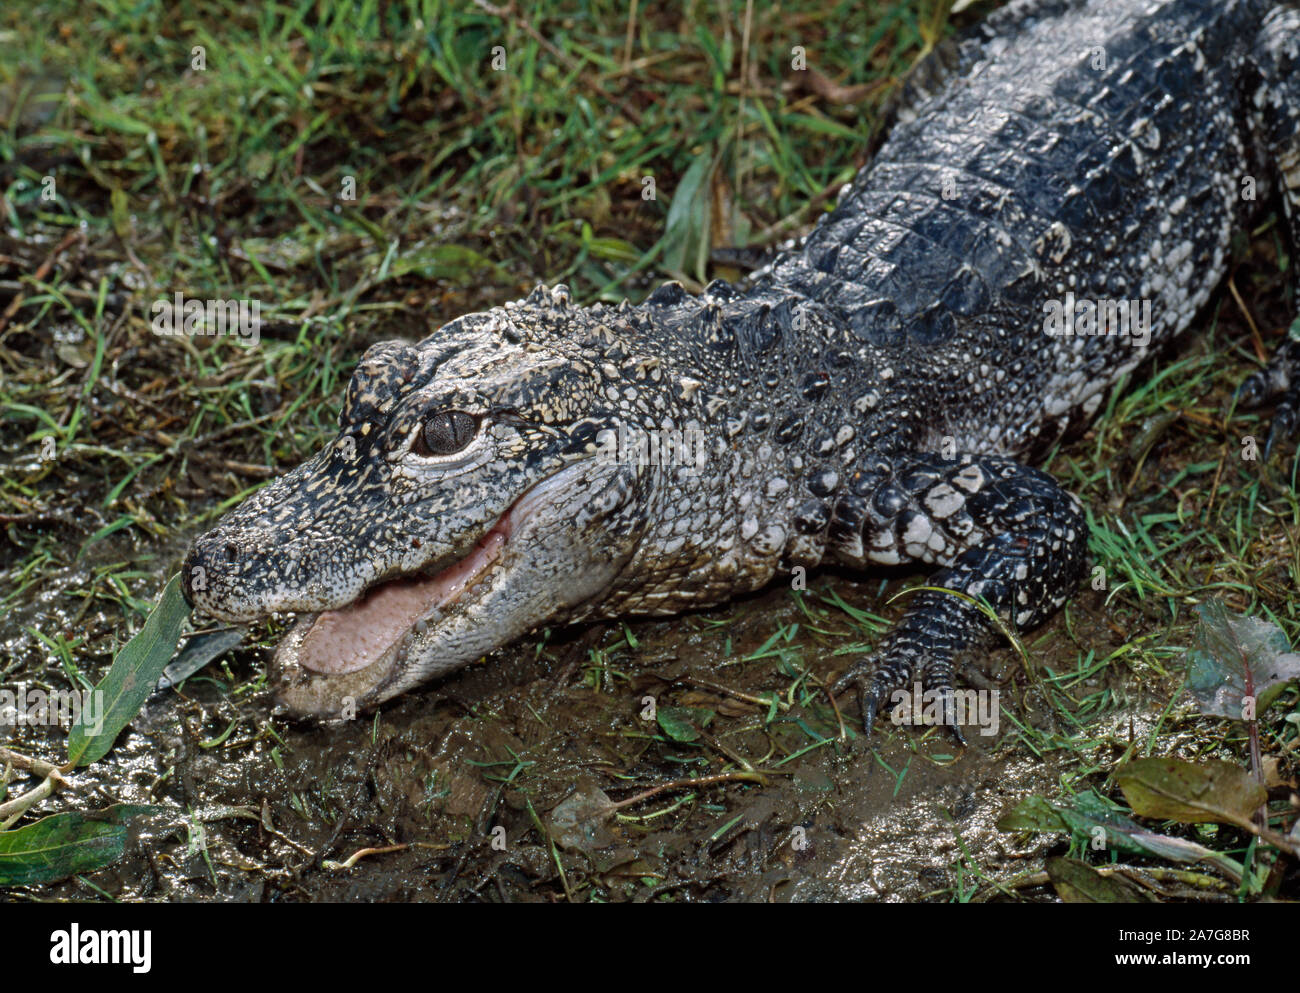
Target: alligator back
x,y
1035,227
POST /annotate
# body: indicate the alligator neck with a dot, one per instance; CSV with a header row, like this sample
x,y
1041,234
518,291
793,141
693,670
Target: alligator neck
x,y
789,410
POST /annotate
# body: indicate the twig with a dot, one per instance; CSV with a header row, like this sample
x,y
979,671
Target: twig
x,y
844,735
678,784
42,271
1260,351
361,853
705,684
631,34
13,809
37,766
1252,727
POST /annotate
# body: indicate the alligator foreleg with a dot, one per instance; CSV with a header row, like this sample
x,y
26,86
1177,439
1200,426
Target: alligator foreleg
x,y
1005,533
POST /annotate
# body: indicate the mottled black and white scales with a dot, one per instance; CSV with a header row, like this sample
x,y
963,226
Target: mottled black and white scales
x,y
867,398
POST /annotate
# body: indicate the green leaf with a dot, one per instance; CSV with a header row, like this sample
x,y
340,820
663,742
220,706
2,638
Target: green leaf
x,y
126,520
1081,818
198,652
1033,813
1088,813
62,845
612,249
687,229
120,212
823,126
1237,658
683,723
14,409
130,679
1172,789
443,261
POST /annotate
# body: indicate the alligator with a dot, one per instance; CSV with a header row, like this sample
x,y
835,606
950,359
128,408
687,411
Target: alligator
x,y
1056,199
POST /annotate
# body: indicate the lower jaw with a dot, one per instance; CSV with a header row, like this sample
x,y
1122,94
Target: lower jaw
x,y
307,690
453,633
330,665
308,693
356,637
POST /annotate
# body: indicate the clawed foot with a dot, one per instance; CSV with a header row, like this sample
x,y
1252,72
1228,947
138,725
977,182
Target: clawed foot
x,y
885,684
1278,381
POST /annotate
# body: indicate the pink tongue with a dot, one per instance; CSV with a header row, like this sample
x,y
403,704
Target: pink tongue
x,y
357,635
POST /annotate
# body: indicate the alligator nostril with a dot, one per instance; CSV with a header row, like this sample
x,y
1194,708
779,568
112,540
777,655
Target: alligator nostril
x,y
232,552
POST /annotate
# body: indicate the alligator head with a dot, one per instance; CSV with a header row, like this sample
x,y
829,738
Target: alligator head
x,y
469,498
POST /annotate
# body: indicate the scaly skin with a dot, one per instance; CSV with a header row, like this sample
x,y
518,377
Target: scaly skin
x,y
864,399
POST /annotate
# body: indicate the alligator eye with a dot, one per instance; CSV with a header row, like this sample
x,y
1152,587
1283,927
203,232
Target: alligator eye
x,y
445,433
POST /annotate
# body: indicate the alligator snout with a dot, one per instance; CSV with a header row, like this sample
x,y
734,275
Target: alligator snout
x,y
217,564
200,563
187,578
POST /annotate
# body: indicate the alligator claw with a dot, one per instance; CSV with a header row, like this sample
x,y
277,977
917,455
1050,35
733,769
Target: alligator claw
x,y
868,704
950,713
872,688
1254,390
1285,417
1279,381
876,682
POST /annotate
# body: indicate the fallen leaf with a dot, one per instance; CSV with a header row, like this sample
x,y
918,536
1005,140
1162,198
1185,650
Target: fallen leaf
x,y
1078,882
578,823
683,723
1172,789
1235,657
65,844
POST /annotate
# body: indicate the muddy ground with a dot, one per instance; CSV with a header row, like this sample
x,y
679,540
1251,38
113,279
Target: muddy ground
x,y
516,741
